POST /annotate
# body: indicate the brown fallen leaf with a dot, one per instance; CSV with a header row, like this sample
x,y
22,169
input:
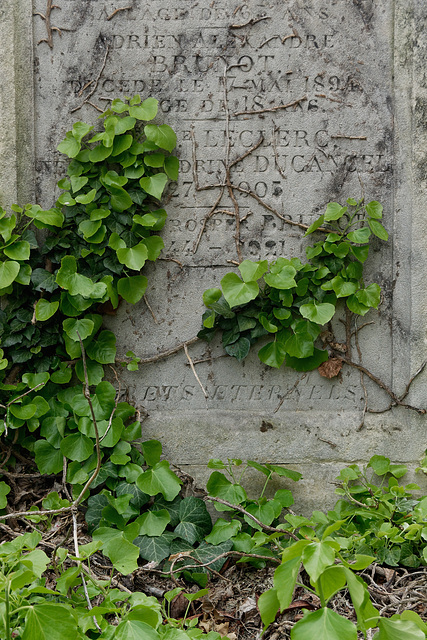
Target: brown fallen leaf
x,y
330,368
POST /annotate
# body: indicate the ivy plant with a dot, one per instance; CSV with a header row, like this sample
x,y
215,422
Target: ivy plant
x,y
291,301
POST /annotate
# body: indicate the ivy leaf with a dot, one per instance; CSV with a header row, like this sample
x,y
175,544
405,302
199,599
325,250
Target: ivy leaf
x,y
172,167
4,490
117,546
154,220
120,199
45,310
324,624
273,354
145,111
283,279
313,227
320,313
132,288
219,486
153,523
133,257
82,326
369,297
18,250
48,459
377,229
154,246
356,307
374,210
103,349
86,198
154,185
162,135
159,479
307,364
43,280
237,292
300,344
316,557
195,521
8,272
50,621
238,349
153,549
360,236
77,284
334,211
52,217
77,447
398,630
252,271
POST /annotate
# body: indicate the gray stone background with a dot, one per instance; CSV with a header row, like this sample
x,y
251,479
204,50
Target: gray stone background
x,y
353,75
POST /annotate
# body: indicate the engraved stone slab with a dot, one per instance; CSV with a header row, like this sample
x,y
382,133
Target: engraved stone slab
x,y
279,108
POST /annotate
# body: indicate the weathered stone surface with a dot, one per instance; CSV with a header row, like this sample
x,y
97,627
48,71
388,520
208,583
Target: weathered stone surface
x,y
306,102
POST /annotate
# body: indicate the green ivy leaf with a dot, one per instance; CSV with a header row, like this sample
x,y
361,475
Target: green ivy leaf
x,y
334,211
159,479
117,546
324,624
133,257
8,272
374,210
316,557
162,135
103,349
153,523
172,167
307,364
313,227
252,271
219,486
4,490
283,279
45,310
154,185
360,236
371,296
273,354
195,521
18,250
320,313
238,349
145,111
237,292
378,229
77,447
153,549
77,284
132,288
398,630
81,326
48,459
49,621
223,530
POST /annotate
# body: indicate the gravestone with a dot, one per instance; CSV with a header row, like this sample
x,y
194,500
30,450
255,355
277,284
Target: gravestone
x,y
294,104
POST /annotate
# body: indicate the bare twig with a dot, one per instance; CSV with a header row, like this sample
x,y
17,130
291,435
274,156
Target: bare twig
x,y
250,22
249,515
117,11
194,371
162,355
95,86
150,309
49,28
